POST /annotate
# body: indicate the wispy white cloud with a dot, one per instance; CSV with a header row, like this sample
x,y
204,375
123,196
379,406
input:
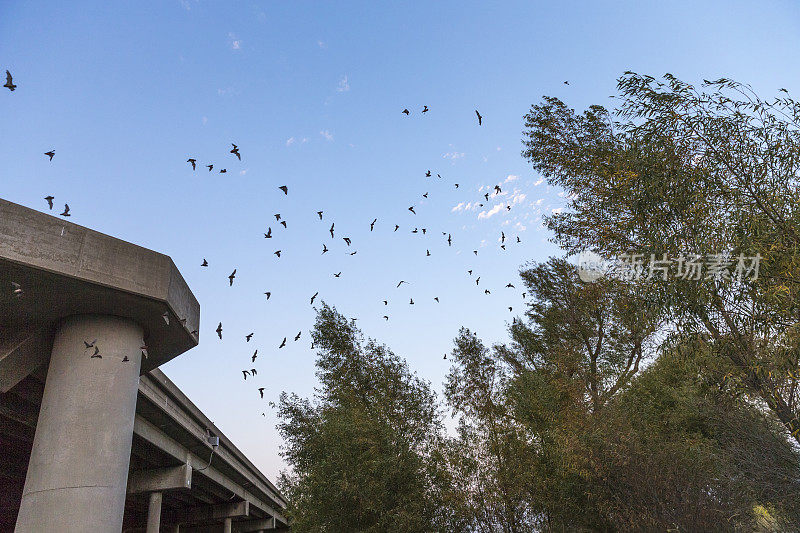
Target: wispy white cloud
x,y
328,135
290,141
539,182
491,212
452,156
236,44
243,172
510,178
344,85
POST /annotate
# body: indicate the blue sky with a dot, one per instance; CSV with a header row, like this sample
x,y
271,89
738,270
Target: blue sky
x,y
125,92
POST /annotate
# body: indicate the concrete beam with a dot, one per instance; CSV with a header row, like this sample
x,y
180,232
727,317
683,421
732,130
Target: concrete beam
x,y
22,354
212,513
64,269
156,437
252,526
177,412
160,479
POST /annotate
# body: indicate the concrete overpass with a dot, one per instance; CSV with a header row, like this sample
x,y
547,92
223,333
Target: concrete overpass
x,y
93,436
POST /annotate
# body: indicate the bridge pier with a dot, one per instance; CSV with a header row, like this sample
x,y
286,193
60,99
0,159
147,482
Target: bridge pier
x,y
78,469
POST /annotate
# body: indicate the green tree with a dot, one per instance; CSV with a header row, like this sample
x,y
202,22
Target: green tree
x,y
677,170
365,454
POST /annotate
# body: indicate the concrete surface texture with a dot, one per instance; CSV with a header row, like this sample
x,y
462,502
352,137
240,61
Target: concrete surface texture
x,y
78,470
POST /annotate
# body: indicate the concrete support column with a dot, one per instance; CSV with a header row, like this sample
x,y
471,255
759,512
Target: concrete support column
x,y
227,525
78,469
154,513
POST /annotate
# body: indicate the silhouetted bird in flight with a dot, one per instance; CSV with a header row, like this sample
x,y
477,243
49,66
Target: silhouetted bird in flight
x,y
253,371
502,236
469,272
278,217
235,151
497,189
354,253
96,353
312,298
436,298
427,253
518,239
510,286
320,214
456,184
268,234
480,118
475,252
297,337
427,173
486,196
412,209
386,317
261,392
385,302
503,246
9,82
406,111
425,195
278,253
254,356
425,109
89,344
205,263
509,309
268,294
66,211
285,189
396,227
486,291
508,208
283,223
193,162
449,240
411,302
50,200
337,275
223,171
219,331
331,230
566,82
210,167
248,337
283,343
347,240
372,224
324,248
50,154
125,359
245,373
478,280
401,282
232,277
